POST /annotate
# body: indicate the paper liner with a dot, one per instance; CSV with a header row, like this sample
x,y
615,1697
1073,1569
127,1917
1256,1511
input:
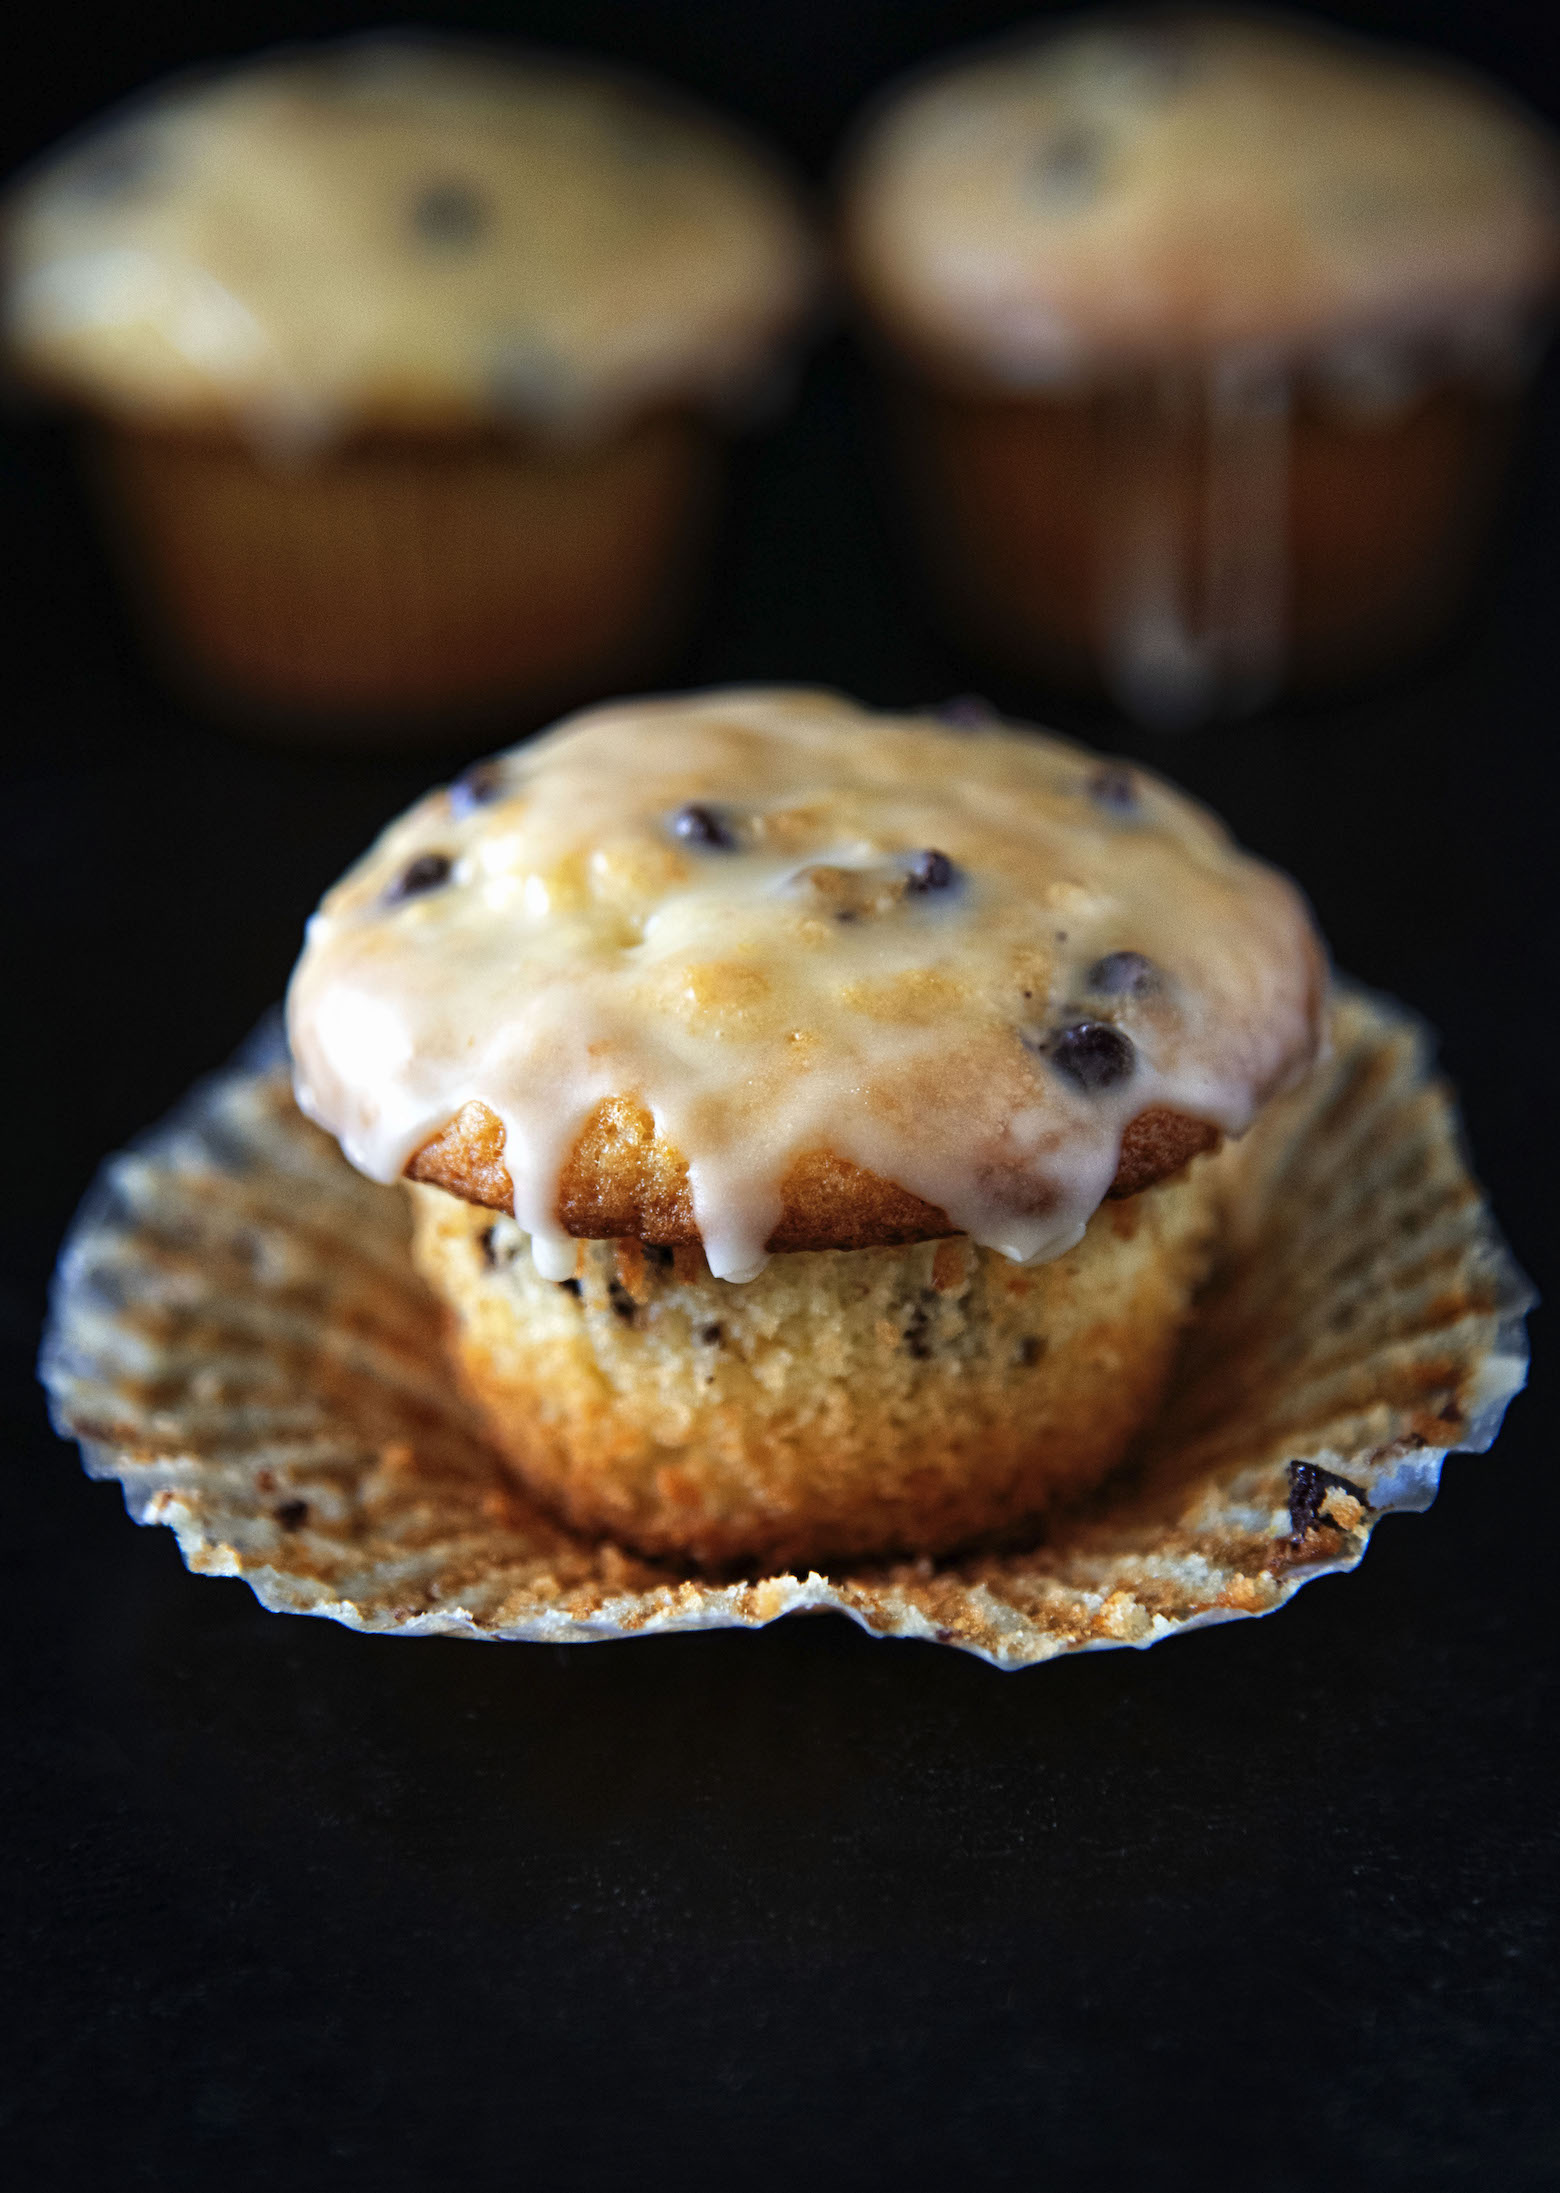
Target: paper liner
x,y
239,1338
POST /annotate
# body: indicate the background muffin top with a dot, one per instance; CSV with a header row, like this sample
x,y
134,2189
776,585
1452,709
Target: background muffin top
x,y
1143,186
405,233
780,928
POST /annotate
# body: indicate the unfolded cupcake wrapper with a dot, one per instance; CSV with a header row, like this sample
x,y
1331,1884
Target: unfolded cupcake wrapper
x,y
239,1338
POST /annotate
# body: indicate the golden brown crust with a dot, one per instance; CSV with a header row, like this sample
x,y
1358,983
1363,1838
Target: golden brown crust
x,y
1156,1144
623,1182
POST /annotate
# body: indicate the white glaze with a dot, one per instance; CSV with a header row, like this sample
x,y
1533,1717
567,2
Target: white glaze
x,y
1195,616
245,249
1205,187
580,951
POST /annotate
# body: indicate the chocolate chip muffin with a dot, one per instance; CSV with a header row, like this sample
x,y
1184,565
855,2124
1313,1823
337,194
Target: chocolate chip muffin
x,y
813,1116
408,361
1207,333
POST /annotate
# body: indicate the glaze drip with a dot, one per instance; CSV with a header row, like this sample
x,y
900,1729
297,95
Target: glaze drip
x,y
885,951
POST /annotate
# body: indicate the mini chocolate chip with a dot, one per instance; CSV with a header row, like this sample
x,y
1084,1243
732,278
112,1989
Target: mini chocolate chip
x,y
1115,787
292,1514
1309,1485
916,1333
426,873
968,710
1029,1351
711,1336
622,1301
571,1286
485,1244
477,786
1123,974
1093,1054
1068,169
930,871
697,825
658,1253
450,214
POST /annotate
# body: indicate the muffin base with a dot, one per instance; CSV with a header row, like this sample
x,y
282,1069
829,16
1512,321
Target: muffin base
x,y
845,1402
1307,553
238,1339
401,581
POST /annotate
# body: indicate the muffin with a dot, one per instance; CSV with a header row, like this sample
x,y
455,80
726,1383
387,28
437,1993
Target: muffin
x,y
407,364
814,1117
1207,332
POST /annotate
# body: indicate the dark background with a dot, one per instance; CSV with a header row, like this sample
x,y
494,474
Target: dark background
x,y
1273,1905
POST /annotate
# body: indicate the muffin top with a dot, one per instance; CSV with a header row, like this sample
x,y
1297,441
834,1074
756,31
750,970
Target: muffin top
x,y
763,969
402,233
1184,184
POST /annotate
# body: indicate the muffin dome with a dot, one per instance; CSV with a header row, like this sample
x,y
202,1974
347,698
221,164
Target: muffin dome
x,y
761,969
399,233
1121,191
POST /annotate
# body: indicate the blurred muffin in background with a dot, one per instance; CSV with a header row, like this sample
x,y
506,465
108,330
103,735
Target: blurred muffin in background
x,y
407,362
1210,330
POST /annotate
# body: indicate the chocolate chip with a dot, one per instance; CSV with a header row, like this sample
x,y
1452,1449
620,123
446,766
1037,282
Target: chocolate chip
x,y
622,1301
930,871
1093,1054
1115,787
292,1514
1029,1351
917,1340
711,1336
706,826
968,710
1309,1485
450,215
426,873
477,786
485,1244
1069,167
660,1254
571,1286
1123,975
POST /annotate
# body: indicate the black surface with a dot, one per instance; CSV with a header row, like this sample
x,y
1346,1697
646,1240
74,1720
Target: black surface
x,y
1272,1905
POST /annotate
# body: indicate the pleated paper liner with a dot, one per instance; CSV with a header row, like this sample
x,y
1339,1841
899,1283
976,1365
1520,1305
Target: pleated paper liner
x,y
239,1338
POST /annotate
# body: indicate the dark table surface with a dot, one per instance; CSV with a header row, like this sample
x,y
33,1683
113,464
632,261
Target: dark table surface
x,y
286,1904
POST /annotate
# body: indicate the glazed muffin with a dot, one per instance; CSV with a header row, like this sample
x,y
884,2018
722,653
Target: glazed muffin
x,y
1208,332
813,1116
408,363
